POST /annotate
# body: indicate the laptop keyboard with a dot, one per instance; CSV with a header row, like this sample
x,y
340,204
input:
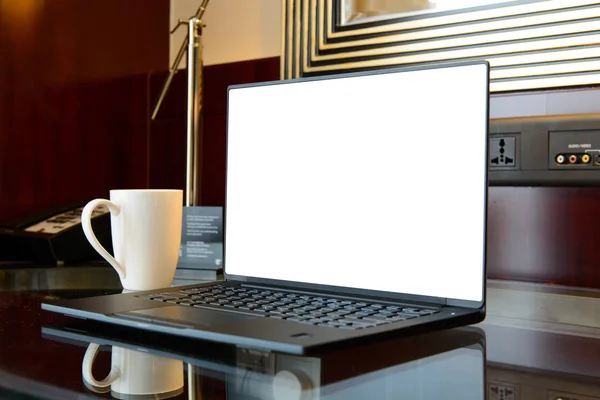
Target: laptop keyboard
x,y
305,309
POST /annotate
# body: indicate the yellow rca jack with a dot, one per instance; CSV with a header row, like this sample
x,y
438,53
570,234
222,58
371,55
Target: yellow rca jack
x,y
585,158
560,159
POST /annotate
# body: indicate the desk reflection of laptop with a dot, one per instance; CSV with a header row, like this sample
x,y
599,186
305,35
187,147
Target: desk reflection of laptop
x,y
441,365
355,208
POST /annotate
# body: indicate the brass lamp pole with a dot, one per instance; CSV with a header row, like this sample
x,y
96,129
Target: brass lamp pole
x,y
193,44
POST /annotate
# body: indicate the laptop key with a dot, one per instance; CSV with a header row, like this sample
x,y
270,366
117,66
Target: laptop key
x,y
363,313
410,310
377,323
324,319
176,293
376,318
165,298
192,291
353,321
349,318
406,316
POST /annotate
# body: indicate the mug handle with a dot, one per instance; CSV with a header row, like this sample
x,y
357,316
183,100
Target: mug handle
x,y
86,224
86,369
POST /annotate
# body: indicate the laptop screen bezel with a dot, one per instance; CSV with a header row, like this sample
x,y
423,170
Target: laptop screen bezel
x,y
367,292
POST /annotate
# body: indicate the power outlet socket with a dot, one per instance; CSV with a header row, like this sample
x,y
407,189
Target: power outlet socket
x,y
503,152
502,392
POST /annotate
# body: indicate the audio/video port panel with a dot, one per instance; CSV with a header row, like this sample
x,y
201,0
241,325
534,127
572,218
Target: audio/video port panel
x,y
566,159
574,150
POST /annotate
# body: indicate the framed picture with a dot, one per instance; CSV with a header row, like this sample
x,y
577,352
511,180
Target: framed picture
x,y
530,44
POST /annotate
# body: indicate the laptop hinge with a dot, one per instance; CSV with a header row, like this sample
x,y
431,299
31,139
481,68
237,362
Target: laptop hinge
x,y
342,293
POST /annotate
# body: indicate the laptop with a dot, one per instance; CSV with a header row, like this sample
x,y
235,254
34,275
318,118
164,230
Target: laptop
x,y
355,210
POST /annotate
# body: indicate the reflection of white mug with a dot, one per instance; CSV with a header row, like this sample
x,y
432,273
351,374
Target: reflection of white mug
x,y
135,373
146,235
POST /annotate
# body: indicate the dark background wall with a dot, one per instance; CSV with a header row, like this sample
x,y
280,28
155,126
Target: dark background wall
x,y
72,112
78,80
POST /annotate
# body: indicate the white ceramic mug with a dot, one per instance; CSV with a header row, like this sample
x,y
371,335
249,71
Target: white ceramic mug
x,y
146,235
135,373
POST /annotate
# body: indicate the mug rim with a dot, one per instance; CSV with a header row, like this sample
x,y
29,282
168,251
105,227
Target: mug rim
x,y
146,190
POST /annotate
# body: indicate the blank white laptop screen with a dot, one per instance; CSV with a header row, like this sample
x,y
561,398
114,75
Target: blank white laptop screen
x,y
375,182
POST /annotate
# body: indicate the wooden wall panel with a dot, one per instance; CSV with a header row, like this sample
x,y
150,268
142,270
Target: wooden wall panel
x,y
73,98
544,234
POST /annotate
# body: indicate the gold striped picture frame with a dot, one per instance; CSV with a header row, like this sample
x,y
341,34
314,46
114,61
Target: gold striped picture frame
x,y
530,44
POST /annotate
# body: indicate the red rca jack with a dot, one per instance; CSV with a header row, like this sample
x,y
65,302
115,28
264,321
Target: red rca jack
x,y
572,159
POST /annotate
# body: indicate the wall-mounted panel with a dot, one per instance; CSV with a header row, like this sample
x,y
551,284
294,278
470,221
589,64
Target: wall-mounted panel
x,y
561,150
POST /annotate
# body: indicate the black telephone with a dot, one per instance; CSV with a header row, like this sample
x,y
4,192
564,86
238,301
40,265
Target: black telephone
x,y
54,238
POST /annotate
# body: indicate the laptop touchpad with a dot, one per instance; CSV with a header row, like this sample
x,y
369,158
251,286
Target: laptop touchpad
x,y
185,316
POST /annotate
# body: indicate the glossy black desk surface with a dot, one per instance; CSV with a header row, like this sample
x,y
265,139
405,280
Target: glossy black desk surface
x,y
41,357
